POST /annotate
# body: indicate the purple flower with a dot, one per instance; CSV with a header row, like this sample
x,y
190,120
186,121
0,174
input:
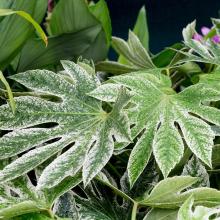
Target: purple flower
x,y
197,37
216,39
205,31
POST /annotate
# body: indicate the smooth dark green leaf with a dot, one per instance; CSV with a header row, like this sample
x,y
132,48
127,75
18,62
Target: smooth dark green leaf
x,y
15,30
141,28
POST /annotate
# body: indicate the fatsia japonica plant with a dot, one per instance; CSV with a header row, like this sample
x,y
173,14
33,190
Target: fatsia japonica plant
x,y
90,138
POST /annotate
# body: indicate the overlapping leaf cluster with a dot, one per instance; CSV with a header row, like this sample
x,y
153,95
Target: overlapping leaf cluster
x,y
140,145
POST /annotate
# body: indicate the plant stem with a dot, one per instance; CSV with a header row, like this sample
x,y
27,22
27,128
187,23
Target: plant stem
x,y
50,213
134,211
116,190
168,72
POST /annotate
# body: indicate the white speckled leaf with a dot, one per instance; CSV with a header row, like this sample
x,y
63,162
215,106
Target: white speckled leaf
x,y
198,213
171,193
162,118
77,126
195,168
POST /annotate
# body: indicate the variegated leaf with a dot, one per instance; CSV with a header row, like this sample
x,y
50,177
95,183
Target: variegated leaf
x,y
77,126
162,118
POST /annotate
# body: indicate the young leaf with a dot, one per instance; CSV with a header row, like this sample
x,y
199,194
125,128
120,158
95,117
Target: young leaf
x,y
141,28
189,31
161,118
169,193
133,51
78,122
205,51
161,214
199,213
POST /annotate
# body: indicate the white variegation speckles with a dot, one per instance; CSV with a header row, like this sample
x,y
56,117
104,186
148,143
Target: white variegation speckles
x,y
76,121
162,118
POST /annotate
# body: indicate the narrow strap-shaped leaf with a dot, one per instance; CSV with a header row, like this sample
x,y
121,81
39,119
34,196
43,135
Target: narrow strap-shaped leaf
x,y
26,16
10,94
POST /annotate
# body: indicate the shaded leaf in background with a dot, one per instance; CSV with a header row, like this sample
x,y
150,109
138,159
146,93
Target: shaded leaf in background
x,y
70,37
100,11
15,30
170,194
23,14
195,168
65,206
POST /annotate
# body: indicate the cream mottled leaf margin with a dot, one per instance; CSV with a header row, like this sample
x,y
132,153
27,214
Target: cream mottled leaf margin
x,y
80,132
164,121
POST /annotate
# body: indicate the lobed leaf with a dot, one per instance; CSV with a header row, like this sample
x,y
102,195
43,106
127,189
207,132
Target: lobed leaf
x,y
164,119
81,132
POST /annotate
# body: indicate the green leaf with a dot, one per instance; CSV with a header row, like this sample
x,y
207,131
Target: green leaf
x,y
25,15
27,200
80,128
64,186
170,194
15,31
114,67
161,214
141,28
65,206
70,38
189,31
10,95
19,208
160,117
133,51
32,216
185,210
216,155
101,12
166,56
199,213
141,31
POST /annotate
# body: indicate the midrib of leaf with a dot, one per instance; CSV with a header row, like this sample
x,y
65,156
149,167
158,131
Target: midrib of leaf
x,y
65,113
